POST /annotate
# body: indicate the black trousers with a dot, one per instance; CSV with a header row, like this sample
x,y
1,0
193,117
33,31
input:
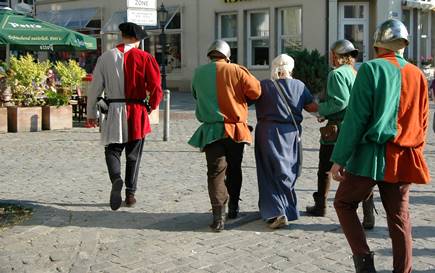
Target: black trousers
x,y
224,170
133,153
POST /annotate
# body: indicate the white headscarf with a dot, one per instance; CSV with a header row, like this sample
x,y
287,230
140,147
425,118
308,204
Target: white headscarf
x,y
282,64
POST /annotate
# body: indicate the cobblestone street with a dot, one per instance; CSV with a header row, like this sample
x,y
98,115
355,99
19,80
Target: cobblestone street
x,y
63,177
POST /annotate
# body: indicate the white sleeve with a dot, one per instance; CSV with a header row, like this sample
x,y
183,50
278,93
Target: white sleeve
x,y
96,89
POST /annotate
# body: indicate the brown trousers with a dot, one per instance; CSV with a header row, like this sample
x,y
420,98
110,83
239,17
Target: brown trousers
x,y
395,199
224,170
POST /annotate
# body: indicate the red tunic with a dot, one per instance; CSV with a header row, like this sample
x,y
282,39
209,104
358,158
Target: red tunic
x,y
141,77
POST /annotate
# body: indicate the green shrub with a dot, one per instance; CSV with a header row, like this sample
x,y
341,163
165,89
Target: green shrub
x,y
56,99
311,68
70,74
26,77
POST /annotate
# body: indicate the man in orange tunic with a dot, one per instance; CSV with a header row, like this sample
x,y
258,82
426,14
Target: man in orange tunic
x,y
221,91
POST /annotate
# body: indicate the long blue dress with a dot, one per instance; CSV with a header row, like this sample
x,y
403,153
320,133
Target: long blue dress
x,y
276,147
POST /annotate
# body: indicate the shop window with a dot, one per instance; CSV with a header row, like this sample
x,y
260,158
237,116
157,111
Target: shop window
x,y
227,31
258,39
173,53
289,29
173,33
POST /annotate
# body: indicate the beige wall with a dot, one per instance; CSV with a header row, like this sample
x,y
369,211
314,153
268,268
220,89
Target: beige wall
x,y
198,28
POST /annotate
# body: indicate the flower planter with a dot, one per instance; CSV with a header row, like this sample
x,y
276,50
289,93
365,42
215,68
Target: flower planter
x,y
24,119
56,118
3,120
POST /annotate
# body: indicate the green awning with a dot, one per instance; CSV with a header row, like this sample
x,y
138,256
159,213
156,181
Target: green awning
x,y
27,33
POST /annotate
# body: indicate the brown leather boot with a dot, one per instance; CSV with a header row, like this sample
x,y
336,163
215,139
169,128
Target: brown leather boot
x,y
364,263
130,201
319,208
218,223
368,211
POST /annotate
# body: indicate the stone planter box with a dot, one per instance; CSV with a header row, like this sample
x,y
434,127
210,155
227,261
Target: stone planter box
x,y
154,116
3,120
56,118
24,119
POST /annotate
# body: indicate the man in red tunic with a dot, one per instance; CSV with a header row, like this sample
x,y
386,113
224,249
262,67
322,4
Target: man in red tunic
x,y
127,75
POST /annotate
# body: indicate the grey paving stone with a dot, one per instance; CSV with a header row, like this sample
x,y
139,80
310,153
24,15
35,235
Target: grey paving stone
x,y
63,177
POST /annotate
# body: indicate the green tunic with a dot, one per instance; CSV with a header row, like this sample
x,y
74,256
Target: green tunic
x,y
383,132
340,82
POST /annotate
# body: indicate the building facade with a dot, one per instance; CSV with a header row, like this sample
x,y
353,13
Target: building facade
x,y
256,30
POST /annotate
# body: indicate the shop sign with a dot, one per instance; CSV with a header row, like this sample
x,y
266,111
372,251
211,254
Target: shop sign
x,y
142,4
142,17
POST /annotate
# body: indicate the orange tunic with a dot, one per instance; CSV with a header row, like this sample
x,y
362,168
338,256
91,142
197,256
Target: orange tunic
x,y
221,91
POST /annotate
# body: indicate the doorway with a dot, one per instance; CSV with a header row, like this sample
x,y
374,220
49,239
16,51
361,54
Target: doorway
x,y
354,26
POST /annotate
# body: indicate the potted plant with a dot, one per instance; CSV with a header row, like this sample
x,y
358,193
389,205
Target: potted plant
x,y
57,113
5,97
25,77
70,75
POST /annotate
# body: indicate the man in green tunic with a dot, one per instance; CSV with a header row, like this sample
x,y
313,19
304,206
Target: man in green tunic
x,y
333,108
221,91
381,143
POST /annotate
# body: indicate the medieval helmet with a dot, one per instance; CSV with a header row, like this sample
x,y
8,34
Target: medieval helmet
x,y
391,32
221,47
343,47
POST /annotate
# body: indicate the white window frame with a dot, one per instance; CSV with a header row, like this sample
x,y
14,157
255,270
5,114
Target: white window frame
x,y
355,21
250,39
279,28
429,35
219,30
411,34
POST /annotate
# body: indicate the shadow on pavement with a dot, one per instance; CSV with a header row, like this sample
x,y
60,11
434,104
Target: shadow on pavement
x,y
59,215
65,215
422,199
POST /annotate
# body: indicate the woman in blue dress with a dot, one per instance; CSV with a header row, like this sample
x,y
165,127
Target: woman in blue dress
x,y
276,141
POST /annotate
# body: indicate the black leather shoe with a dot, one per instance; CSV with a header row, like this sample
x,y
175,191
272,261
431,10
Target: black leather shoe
x,y
364,263
115,194
233,208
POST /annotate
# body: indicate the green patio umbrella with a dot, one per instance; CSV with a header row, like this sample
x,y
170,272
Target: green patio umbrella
x,y
20,31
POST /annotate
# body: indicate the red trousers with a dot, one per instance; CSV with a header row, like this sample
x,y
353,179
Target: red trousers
x,y
395,199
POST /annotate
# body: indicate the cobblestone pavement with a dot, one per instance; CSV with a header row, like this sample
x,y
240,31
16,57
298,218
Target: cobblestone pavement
x,y
62,175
